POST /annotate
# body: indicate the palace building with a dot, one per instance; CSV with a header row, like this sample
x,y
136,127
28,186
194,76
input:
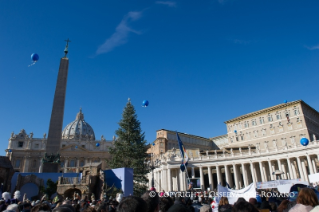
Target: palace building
x,y
258,147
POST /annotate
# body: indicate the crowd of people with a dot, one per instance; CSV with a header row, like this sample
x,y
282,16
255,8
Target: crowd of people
x,y
305,200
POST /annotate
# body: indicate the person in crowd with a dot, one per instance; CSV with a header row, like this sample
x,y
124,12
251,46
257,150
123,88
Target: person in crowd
x,y
179,206
90,209
244,206
68,206
190,187
112,205
3,206
26,207
132,204
188,203
102,207
66,202
264,204
254,202
13,207
273,206
62,209
162,193
152,200
77,207
6,197
224,205
41,207
306,201
315,209
165,204
283,205
205,208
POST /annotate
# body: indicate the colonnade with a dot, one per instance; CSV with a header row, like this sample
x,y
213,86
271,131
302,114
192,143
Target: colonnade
x,y
237,172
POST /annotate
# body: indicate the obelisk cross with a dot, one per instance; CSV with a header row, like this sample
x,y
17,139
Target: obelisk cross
x,y
66,47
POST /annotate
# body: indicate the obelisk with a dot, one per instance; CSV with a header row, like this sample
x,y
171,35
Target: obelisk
x,y
52,157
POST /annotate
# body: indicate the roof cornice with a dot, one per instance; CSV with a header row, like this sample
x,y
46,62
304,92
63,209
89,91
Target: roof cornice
x,y
266,110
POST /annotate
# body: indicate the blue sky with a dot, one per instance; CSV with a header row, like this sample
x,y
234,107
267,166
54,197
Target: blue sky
x,y
199,63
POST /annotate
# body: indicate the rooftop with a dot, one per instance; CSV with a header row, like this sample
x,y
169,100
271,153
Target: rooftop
x,y
185,134
269,109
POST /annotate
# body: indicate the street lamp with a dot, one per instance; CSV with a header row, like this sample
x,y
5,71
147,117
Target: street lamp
x,y
153,164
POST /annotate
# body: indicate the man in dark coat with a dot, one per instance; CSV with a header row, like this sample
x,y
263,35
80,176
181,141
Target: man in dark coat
x,y
179,206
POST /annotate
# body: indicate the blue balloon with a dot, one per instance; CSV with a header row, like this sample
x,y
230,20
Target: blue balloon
x,y
153,144
34,57
145,103
76,147
10,150
97,144
235,131
285,101
304,141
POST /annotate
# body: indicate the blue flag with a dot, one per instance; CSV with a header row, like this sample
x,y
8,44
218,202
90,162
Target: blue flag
x,y
183,153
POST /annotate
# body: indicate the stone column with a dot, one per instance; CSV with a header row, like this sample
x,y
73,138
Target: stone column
x,y
285,176
291,175
26,164
159,180
66,165
310,164
193,172
227,175
270,170
210,178
304,169
280,169
162,180
253,173
180,180
184,180
218,175
201,176
262,171
300,169
244,174
294,173
165,186
236,183
156,179
314,165
77,165
41,167
169,179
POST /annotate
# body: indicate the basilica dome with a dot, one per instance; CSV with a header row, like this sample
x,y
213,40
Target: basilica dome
x,y
78,129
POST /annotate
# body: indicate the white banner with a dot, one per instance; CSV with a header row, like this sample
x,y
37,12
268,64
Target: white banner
x,y
233,195
276,183
313,178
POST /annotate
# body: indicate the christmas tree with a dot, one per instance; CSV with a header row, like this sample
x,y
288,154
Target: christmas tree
x,y
129,149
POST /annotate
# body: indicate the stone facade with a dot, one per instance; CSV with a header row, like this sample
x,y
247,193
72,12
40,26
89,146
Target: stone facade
x,y
259,147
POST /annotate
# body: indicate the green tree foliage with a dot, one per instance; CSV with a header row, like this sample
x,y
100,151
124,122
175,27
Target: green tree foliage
x,y
130,148
50,189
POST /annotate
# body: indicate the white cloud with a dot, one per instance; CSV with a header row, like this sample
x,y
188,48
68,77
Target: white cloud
x,y
121,33
313,47
168,3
